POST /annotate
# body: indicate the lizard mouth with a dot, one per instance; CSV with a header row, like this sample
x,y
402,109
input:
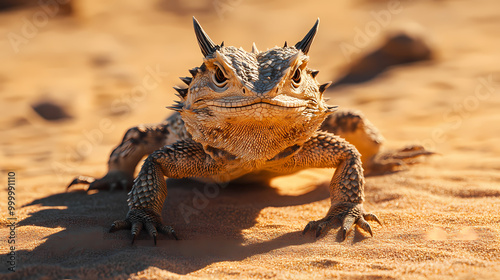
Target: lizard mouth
x,y
281,102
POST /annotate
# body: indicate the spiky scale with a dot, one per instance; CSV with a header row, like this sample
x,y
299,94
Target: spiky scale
x,y
314,73
182,91
324,86
254,49
193,71
186,80
176,107
332,109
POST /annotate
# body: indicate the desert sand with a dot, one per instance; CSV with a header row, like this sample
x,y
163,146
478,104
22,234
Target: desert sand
x,y
441,217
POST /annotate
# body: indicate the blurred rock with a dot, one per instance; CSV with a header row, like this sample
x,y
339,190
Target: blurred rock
x,y
61,7
403,46
9,4
181,7
101,60
50,111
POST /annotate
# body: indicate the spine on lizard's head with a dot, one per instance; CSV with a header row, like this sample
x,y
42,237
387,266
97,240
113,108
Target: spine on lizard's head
x,y
252,105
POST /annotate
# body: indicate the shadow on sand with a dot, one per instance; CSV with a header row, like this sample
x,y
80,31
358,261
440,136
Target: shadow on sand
x,y
209,235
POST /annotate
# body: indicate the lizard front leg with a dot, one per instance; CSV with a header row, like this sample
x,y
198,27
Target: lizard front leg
x,y
181,160
325,150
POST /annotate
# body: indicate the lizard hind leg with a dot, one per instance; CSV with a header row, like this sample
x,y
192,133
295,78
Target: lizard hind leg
x,y
137,142
354,127
396,160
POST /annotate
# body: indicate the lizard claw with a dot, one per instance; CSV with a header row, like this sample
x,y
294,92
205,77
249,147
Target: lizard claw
x,y
168,230
111,181
137,219
320,229
306,229
81,180
120,224
394,161
350,214
136,229
372,218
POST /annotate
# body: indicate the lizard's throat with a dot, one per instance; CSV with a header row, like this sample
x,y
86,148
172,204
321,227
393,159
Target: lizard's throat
x,y
253,140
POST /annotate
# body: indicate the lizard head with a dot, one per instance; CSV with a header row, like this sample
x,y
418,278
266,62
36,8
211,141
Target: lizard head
x,y
252,105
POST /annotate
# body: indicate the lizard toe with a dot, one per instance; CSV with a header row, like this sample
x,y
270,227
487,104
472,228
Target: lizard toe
x,y
372,218
81,180
318,226
349,215
111,181
394,161
119,225
136,229
168,230
139,219
151,229
347,224
364,225
307,228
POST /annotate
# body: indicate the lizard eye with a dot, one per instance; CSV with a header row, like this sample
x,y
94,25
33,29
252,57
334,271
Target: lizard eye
x,y
296,78
218,77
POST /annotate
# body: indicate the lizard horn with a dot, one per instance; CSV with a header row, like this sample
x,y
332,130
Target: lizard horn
x,y
254,48
207,46
305,43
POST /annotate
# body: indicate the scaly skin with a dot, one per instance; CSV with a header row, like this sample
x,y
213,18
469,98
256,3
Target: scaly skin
x,y
244,113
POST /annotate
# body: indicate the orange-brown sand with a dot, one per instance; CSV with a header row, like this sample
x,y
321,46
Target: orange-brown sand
x,y
441,217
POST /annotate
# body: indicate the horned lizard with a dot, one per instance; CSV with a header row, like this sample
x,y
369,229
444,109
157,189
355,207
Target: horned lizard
x,y
247,112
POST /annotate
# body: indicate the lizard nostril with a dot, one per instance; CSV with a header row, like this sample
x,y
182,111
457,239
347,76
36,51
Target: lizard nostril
x,y
244,91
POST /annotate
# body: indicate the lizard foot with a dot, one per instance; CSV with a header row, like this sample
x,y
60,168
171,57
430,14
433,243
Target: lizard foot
x,y
137,219
348,214
394,161
111,181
